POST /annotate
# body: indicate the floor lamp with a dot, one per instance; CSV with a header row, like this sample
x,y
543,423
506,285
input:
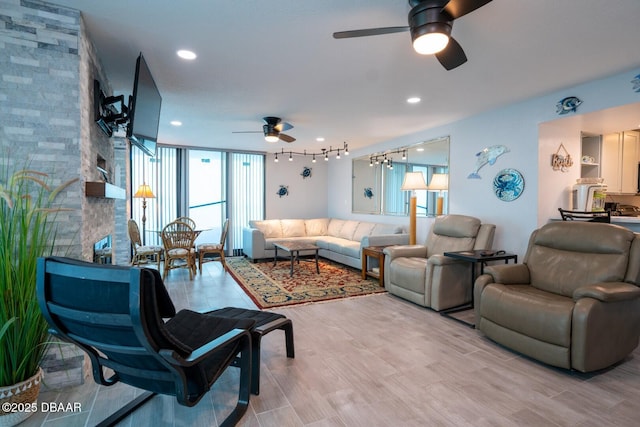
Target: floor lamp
x,y
144,192
413,181
439,182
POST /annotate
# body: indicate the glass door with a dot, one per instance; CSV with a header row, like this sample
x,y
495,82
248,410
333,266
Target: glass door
x,y
206,193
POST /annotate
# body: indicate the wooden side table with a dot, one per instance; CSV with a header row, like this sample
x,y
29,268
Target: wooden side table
x,y
373,252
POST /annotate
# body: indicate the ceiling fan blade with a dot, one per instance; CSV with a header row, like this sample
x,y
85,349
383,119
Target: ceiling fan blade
x,y
286,138
452,56
282,126
458,8
369,32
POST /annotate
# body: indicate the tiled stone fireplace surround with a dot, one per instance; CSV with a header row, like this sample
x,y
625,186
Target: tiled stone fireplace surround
x,y
48,65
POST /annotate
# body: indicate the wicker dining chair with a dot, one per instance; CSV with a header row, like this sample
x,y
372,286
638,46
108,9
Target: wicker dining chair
x,y
141,253
214,249
178,239
191,223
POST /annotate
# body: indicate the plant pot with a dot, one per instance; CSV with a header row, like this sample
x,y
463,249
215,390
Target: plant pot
x,y
21,399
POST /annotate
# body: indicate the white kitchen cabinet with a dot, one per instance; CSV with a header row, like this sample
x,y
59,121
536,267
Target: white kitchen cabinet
x,y
590,156
619,162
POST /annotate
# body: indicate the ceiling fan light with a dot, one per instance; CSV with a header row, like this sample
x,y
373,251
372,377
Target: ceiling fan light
x,y
430,43
271,137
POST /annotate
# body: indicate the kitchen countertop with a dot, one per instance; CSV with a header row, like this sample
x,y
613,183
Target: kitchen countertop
x,y
630,222
625,219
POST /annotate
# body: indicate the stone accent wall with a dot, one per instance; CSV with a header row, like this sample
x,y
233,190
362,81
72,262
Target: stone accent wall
x,y
47,68
48,65
98,214
39,101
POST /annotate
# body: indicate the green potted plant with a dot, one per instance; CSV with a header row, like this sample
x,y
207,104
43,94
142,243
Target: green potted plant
x,y
27,231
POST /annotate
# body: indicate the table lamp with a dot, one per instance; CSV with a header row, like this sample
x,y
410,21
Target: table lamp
x,y
439,182
413,181
144,192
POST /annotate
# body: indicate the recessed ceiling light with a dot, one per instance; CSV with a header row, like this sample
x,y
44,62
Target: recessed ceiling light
x,y
176,123
186,54
413,100
320,139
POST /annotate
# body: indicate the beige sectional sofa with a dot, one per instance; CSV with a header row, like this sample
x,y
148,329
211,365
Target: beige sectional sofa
x,y
339,240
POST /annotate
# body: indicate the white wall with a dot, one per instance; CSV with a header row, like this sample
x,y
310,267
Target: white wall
x,y
517,126
308,197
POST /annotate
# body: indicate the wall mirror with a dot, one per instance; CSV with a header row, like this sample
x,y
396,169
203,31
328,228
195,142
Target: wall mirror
x,y
377,178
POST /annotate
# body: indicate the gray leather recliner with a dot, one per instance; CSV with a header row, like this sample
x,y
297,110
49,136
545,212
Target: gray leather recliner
x,y
573,303
421,274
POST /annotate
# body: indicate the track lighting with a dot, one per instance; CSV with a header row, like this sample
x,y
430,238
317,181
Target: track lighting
x,y
324,152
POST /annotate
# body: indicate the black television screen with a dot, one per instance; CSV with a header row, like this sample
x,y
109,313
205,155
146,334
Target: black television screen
x,y
144,109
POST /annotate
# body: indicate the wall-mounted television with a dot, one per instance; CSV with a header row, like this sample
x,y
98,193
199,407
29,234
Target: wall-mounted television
x,y
144,109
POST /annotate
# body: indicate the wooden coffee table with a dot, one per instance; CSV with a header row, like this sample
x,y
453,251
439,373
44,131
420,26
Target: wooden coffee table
x,y
294,248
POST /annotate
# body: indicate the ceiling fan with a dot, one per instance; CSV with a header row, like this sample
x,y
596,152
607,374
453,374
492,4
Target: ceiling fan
x,y
272,129
430,23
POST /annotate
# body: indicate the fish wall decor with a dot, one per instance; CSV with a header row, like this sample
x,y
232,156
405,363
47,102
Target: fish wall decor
x,y
488,155
636,83
568,105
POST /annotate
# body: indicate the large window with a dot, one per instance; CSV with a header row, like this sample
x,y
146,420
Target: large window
x,y
206,196
206,185
161,174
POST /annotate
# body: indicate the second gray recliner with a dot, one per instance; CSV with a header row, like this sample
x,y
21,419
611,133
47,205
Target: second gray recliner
x,y
423,275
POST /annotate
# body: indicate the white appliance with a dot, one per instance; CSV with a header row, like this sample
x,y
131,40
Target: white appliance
x,y
589,197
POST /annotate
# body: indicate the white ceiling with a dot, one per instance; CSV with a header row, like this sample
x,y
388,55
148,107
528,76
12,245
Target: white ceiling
x,y
278,57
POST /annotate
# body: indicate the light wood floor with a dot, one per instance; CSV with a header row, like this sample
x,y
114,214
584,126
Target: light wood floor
x,y
374,361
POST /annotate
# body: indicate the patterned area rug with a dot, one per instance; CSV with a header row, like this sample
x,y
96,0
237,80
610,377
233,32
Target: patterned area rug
x,y
270,286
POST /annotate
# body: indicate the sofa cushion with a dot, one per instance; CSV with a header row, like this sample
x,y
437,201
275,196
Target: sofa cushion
x,y
316,227
348,229
351,248
363,229
379,229
293,228
271,228
335,225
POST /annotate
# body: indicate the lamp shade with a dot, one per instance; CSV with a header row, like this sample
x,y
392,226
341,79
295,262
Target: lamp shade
x,y
144,192
413,181
439,181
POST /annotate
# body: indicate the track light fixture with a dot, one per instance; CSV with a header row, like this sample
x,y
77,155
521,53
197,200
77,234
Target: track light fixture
x,y
386,158
323,152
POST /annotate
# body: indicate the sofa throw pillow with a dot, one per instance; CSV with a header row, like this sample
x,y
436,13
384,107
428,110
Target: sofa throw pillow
x,y
335,225
270,228
316,227
293,228
348,229
380,229
363,229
